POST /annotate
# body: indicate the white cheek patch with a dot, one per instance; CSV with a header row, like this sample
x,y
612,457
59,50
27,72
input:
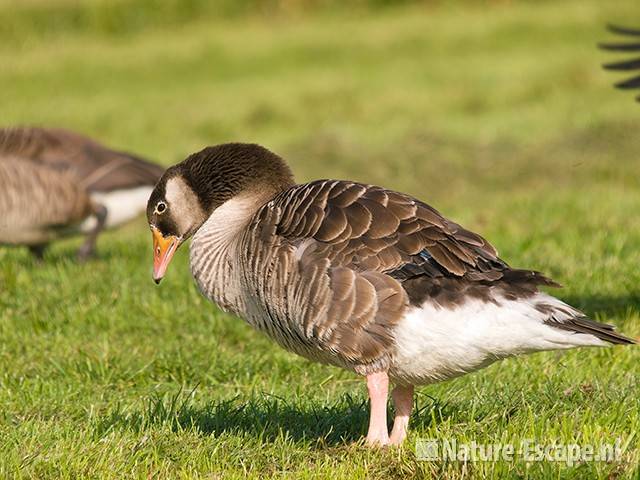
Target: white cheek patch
x,y
183,204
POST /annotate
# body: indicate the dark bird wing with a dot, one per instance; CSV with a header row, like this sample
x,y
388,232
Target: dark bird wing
x,y
97,167
629,43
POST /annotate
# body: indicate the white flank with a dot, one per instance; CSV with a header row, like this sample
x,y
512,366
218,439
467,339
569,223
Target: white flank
x,y
122,206
438,343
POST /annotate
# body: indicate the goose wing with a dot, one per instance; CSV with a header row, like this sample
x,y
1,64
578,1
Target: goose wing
x,y
369,228
355,256
97,167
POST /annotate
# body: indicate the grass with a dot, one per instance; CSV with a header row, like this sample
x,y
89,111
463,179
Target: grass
x,y
496,113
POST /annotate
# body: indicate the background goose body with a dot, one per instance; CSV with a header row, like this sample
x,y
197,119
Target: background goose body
x,y
53,204
58,183
355,275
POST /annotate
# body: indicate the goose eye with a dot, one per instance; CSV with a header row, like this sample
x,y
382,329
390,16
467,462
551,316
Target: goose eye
x,y
161,207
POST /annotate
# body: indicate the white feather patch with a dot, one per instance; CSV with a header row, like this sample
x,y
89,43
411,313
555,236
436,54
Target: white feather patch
x,y
122,206
436,343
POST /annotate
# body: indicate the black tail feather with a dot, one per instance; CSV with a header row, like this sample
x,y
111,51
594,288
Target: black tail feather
x,y
602,331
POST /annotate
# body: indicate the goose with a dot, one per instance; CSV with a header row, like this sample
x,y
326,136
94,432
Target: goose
x,y
55,183
628,65
353,275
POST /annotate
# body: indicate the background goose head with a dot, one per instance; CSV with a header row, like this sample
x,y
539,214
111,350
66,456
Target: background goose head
x,y
191,191
48,175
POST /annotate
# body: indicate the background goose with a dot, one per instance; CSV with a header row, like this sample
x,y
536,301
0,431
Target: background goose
x,y
56,182
355,275
630,45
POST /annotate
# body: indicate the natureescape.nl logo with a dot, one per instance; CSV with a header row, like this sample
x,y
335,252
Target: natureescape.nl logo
x,y
527,450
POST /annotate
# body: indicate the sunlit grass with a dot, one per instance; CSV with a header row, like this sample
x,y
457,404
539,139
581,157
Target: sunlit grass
x,y
497,114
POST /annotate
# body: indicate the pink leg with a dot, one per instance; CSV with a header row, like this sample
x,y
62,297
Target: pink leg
x,y
403,402
378,386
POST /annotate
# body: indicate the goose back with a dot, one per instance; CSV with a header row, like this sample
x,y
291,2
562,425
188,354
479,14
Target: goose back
x,y
98,168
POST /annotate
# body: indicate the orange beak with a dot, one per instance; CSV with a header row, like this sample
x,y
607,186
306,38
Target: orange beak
x,y
163,250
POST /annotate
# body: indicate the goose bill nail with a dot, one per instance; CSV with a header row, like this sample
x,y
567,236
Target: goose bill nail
x,y
163,250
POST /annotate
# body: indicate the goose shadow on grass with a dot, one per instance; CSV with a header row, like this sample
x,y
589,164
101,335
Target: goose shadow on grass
x,y
340,422
266,416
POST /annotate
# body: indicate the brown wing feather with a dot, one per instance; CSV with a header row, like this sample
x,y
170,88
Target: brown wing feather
x,y
392,227
97,167
347,251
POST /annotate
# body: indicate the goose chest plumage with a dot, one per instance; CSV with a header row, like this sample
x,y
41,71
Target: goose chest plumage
x,y
57,183
355,275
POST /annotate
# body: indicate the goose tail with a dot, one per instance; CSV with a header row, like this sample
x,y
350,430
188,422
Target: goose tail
x,y
565,317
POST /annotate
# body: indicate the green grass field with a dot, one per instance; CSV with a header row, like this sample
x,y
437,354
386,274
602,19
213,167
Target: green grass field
x,y
496,113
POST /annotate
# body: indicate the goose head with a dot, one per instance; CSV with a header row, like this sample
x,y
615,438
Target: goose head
x,y
190,191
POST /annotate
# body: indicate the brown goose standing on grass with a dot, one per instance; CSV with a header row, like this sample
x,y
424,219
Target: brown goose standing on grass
x,y
355,275
55,183
630,66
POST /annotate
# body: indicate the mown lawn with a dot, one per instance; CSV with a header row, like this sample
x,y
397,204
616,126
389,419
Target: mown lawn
x,y
496,113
